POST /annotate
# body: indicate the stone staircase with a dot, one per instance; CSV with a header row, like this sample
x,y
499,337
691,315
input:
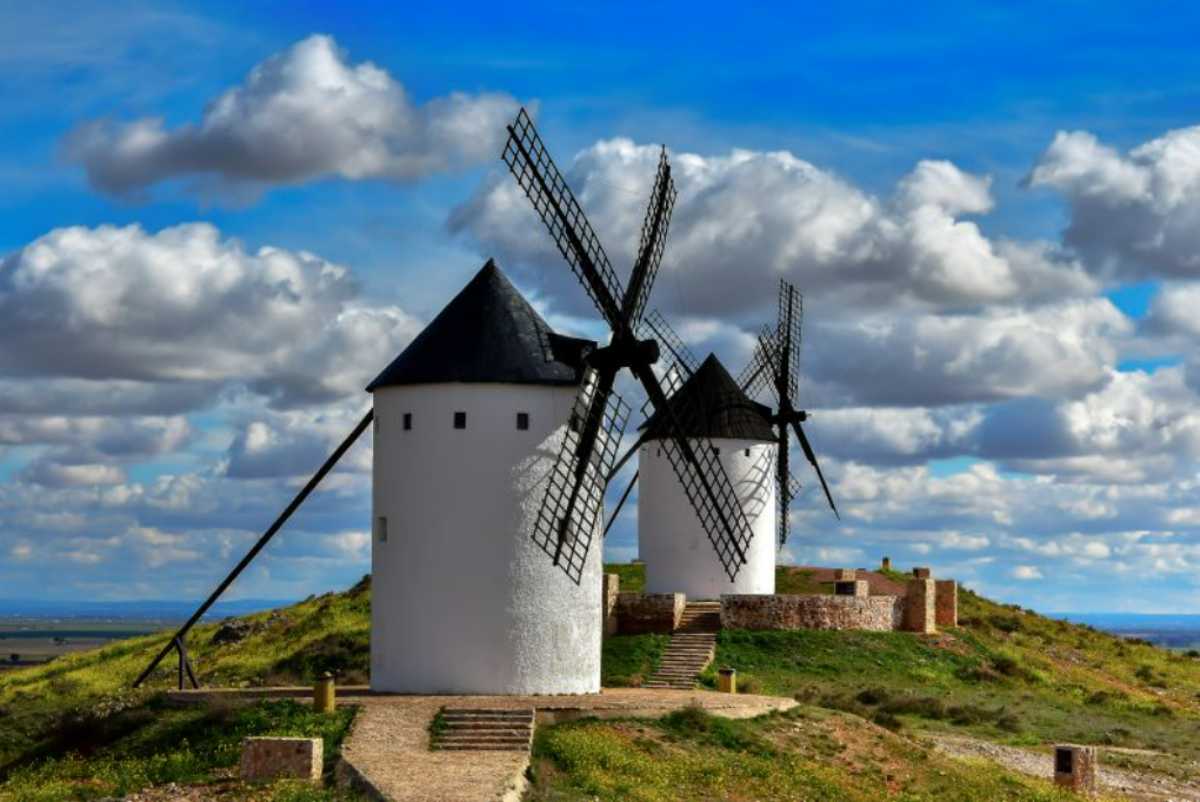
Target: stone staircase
x,y
506,730
692,647
701,616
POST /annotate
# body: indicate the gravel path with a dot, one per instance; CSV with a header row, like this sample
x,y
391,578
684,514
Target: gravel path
x,y
389,746
1039,763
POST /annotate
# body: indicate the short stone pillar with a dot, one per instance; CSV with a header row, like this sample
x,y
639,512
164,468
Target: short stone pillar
x,y
727,680
919,610
282,758
855,587
922,573
323,694
612,586
886,564
1075,768
946,602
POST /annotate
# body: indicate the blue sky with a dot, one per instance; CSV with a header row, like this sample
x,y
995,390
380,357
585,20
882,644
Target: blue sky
x,y
988,209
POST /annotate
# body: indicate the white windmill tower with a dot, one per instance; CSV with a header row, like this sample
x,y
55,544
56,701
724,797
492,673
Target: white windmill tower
x,y
468,420
670,541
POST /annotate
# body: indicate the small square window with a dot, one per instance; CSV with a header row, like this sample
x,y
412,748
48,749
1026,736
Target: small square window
x,y
716,451
407,421
381,529
460,420
747,452
574,423
522,421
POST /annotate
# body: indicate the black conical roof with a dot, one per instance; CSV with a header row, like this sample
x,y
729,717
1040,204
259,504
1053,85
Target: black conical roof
x,y
710,404
488,334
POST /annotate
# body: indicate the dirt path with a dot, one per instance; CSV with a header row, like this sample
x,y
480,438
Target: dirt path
x,y
389,746
1039,763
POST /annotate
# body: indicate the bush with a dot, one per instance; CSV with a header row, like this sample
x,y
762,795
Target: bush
x,y
1005,623
872,696
887,720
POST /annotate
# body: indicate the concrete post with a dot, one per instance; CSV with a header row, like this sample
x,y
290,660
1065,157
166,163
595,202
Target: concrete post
x,y
612,586
1075,768
946,591
919,606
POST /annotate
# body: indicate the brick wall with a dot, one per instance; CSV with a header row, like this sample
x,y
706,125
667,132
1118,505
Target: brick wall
x,y
648,612
919,607
874,613
946,602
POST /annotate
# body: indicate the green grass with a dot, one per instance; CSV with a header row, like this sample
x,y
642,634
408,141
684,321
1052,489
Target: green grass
x,y
292,645
633,576
806,754
119,752
629,659
1007,675
793,580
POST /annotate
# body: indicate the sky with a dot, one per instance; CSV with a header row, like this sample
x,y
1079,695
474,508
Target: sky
x,y
220,221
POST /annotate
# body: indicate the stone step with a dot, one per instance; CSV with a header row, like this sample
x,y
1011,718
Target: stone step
x,y
488,727
493,735
521,747
488,711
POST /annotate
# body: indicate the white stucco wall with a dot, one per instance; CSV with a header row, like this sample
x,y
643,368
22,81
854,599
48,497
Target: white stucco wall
x,y
678,555
463,601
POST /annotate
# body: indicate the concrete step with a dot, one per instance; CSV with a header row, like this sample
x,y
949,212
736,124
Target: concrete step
x,y
494,735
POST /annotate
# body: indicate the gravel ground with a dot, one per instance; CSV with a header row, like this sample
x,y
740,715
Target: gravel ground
x,y
1039,763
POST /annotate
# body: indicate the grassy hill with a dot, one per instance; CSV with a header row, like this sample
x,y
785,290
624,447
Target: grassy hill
x,y
73,729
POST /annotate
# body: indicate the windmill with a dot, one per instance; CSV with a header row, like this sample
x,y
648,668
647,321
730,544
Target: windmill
x,y
570,512
773,369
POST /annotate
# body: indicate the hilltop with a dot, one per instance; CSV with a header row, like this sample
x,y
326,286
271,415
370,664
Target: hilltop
x,y
880,710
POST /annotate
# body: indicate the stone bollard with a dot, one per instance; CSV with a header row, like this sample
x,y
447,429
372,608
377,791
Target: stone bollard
x,y
282,758
886,564
324,694
1075,768
727,680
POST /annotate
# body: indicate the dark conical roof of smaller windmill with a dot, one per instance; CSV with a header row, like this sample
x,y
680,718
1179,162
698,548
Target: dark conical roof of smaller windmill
x,y
710,404
487,334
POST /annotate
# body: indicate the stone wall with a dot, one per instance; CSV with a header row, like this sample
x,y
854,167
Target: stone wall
x,y
648,612
946,602
612,586
873,613
919,608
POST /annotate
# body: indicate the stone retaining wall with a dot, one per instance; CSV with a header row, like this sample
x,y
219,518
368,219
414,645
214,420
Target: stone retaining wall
x,y
638,613
872,613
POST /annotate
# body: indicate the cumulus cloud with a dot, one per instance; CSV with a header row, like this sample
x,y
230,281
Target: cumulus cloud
x,y
743,220
1055,350
302,114
186,306
1135,214
1026,572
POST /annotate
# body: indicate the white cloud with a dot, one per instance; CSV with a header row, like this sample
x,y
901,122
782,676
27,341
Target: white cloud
x,y
302,114
1133,215
745,219
185,306
1026,572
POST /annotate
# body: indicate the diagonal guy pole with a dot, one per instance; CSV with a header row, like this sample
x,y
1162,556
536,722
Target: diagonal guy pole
x,y
262,541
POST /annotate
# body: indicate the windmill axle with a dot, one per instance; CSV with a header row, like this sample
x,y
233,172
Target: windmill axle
x,y
624,353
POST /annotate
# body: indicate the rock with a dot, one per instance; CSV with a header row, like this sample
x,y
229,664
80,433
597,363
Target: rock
x,y
232,630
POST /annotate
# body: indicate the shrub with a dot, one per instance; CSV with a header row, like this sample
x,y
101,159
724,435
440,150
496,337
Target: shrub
x,y
887,720
872,696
